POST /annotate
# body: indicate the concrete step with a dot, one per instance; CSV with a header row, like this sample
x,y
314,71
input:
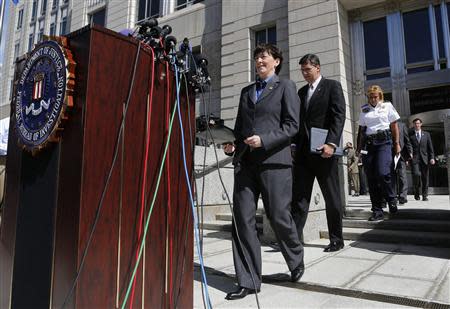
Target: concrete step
x,y
435,239
227,217
221,225
400,224
422,214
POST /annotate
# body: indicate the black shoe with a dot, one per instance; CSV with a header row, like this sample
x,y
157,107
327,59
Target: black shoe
x,y
417,197
383,204
334,246
425,198
376,216
402,201
241,292
298,272
393,207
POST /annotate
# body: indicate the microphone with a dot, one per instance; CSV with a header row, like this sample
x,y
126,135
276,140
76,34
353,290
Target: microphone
x,y
166,29
169,43
149,23
202,63
184,52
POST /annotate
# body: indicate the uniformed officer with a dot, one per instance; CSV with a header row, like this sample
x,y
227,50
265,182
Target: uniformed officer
x,y
378,136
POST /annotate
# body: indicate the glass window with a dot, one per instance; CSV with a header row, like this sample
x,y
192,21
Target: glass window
x,y
181,4
54,4
148,8
268,35
34,10
16,50
376,47
53,24
20,19
423,100
98,18
30,41
41,30
416,26
63,23
440,34
43,7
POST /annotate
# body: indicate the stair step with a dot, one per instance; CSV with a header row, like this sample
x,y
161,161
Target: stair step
x,y
436,239
423,214
221,225
401,224
227,217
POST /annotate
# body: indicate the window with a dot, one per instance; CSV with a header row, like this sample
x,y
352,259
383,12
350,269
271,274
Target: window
x,y
148,8
98,18
16,50
181,4
30,41
376,48
34,10
53,24
418,48
54,4
63,23
423,100
43,7
41,30
20,19
268,35
440,33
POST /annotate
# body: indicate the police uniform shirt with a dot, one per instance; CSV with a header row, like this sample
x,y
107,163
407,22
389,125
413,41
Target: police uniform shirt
x,y
378,117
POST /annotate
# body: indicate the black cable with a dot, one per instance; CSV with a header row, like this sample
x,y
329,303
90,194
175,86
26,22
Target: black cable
x,y
100,205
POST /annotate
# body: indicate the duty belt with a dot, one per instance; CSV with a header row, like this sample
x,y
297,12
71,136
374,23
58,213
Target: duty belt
x,y
380,136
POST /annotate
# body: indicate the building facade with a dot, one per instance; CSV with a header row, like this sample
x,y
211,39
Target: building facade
x,y
403,46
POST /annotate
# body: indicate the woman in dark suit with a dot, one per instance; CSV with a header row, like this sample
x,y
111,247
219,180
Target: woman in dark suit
x,y
267,119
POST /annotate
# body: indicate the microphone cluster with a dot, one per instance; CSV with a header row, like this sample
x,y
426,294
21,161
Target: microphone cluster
x,y
165,47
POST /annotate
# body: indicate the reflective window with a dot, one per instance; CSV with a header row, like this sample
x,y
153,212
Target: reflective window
x,y
43,7
53,24
268,35
416,26
440,34
16,50
41,31
98,18
34,10
63,23
376,48
30,41
19,19
148,8
423,100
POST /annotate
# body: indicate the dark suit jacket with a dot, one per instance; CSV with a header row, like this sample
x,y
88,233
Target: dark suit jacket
x,y
422,152
405,142
274,118
326,110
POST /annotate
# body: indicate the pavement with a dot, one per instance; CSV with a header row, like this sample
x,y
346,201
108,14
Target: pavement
x,y
362,275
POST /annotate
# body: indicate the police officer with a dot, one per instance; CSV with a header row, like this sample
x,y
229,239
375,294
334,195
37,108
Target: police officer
x,y
378,136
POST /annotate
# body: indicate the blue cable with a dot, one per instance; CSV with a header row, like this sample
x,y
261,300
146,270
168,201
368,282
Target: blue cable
x,y
200,257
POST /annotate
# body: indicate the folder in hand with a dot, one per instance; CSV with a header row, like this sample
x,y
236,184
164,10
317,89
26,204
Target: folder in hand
x,y
318,137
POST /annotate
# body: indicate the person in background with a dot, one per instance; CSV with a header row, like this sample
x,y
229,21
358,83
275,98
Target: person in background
x,y
266,121
322,106
400,182
422,158
378,136
352,167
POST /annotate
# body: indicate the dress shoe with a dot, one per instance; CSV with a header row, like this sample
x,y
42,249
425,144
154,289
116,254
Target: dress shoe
x,y
402,201
298,272
241,292
425,198
334,246
376,216
417,197
393,207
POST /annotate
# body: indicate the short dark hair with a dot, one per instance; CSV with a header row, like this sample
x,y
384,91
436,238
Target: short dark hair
x,y
415,119
272,50
309,58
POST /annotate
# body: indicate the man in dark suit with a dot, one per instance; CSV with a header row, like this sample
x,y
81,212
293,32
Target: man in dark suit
x,y
267,119
322,106
400,182
423,156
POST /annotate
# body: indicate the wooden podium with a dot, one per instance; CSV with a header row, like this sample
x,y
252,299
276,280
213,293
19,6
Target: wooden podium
x,y
52,198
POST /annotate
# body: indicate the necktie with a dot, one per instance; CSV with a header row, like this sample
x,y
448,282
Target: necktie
x,y
418,136
260,85
309,95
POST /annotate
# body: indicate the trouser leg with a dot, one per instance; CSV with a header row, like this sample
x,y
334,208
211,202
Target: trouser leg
x,y
246,244
424,175
276,190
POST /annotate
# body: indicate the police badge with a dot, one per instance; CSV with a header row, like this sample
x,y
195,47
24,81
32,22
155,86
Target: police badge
x,y
44,94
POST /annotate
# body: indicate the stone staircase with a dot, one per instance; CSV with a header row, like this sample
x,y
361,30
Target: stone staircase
x,y
223,222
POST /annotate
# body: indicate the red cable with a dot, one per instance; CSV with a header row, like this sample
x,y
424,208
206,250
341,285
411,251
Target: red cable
x,y
144,178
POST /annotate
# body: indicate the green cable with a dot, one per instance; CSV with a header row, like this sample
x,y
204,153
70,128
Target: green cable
x,y
147,221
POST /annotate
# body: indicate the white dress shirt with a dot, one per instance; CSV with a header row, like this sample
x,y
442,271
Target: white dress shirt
x,y
378,117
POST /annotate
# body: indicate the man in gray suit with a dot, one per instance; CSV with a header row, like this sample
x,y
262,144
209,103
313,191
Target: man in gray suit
x,y
399,179
423,157
267,119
